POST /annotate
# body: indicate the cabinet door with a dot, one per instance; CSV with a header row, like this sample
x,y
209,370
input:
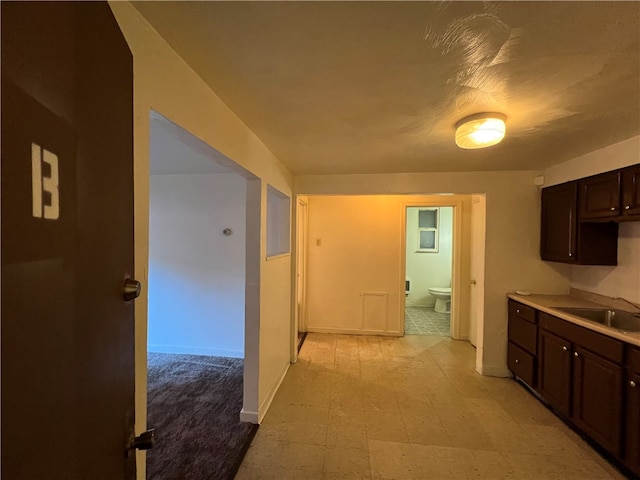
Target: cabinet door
x,y
554,371
558,228
597,399
600,196
632,423
631,191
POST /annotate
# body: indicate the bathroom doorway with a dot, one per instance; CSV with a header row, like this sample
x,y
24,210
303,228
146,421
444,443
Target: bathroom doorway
x,y
428,270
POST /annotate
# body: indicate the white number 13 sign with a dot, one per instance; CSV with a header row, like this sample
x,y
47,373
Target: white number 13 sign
x,y
40,184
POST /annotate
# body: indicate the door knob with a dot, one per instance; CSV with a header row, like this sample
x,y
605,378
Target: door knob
x,y
131,289
144,441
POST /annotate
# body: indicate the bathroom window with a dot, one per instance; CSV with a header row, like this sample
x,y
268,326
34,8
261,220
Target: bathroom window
x,y
428,219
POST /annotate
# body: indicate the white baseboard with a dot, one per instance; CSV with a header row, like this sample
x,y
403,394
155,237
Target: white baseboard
x,y
264,406
348,331
248,416
213,352
494,371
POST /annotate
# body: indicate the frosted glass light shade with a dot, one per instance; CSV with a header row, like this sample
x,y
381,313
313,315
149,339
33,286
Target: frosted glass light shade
x,y
480,130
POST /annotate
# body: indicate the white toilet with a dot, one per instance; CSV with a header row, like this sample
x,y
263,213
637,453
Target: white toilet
x,y
443,298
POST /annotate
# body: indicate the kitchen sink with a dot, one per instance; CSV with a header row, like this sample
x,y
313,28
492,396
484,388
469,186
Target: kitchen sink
x,y
618,319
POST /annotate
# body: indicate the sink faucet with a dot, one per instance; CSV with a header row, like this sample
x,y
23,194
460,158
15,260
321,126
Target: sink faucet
x,y
628,303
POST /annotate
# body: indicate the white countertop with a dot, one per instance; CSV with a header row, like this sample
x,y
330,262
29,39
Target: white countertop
x,y
546,303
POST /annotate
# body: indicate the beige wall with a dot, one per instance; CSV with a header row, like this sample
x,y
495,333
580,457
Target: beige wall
x,y
623,280
165,83
356,274
353,253
512,238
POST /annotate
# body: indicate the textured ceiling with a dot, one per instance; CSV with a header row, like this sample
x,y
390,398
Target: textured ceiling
x,y
364,87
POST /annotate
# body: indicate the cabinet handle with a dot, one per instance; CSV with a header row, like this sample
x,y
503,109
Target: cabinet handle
x,y
517,361
627,207
632,384
575,354
613,208
517,310
570,254
564,348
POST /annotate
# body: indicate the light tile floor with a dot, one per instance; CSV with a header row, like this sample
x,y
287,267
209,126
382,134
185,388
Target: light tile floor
x,y
409,408
426,321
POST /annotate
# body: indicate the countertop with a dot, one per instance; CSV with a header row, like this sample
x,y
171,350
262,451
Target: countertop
x,y
546,303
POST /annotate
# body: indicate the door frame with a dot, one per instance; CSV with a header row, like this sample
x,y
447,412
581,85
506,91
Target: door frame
x,y
457,282
299,316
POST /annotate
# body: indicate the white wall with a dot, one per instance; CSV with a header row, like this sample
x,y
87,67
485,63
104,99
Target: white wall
x,y
623,280
196,273
512,238
428,269
165,83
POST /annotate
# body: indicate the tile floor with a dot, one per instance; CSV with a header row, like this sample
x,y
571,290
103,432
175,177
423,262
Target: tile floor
x,y
409,408
425,321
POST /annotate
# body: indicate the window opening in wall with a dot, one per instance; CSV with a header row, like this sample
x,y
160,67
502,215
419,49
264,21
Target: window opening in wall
x,y
278,222
428,219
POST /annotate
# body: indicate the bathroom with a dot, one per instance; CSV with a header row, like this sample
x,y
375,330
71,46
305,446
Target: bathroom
x,y
428,270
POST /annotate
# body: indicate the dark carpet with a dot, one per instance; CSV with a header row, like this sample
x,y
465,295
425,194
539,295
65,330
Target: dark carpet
x,y
194,405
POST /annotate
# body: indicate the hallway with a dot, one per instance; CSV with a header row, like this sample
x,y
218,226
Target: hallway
x,y
409,408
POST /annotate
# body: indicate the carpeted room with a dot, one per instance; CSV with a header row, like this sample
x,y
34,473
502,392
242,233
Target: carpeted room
x,y
197,250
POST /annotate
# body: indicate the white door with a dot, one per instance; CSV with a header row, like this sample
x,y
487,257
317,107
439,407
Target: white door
x,y
476,298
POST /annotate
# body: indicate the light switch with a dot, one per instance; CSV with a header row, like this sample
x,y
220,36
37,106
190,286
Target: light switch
x,y
318,242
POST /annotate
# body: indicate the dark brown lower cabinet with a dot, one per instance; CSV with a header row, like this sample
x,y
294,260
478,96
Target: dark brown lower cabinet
x,y
554,371
632,422
581,376
597,399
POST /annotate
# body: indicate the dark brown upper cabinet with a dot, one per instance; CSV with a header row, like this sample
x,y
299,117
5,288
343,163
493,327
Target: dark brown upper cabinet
x,y
631,193
564,239
611,196
599,196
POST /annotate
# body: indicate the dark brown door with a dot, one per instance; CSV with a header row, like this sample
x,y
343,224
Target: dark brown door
x,y
67,242
554,375
558,242
600,196
631,191
597,399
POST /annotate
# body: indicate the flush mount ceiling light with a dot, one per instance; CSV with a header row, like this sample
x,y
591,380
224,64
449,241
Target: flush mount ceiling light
x,y
480,130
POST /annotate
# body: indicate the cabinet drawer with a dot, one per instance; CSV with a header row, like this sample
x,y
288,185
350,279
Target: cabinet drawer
x,y
522,311
633,359
602,345
523,333
522,364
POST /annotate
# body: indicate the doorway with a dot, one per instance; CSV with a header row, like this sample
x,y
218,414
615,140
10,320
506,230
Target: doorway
x,y
202,207
428,267
300,329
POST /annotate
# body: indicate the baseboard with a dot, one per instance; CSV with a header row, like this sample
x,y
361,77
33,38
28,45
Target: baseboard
x,y
494,371
212,352
248,416
264,406
347,331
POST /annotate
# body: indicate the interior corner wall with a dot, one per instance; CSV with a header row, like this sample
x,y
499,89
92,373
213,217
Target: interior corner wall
x,y
196,273
164,82
512,255
428,269
622,280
